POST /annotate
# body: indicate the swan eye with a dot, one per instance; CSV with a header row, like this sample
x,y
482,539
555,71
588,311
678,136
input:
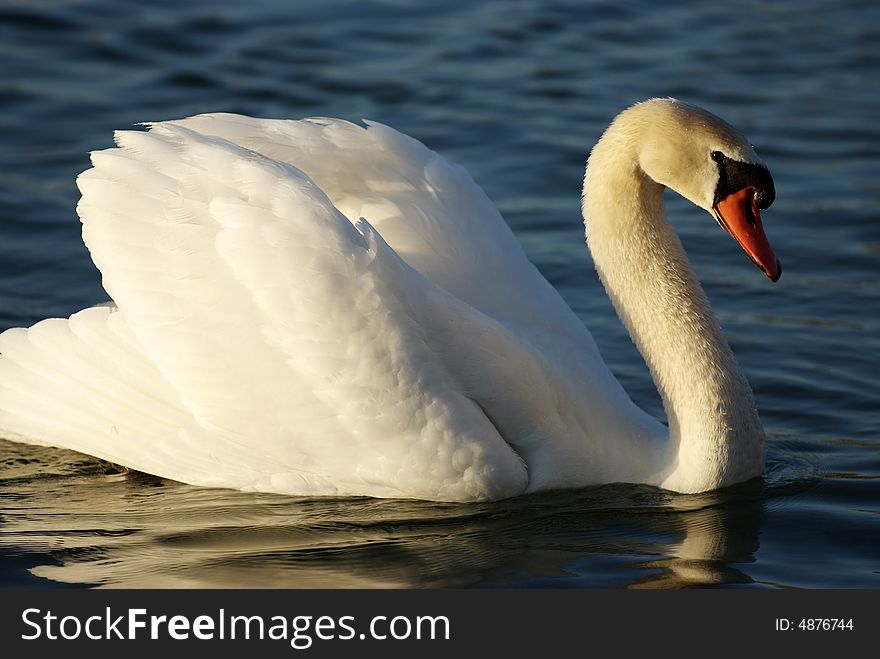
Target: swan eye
x,y
717,156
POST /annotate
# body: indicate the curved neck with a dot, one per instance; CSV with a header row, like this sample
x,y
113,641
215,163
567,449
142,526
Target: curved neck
x,y
716,437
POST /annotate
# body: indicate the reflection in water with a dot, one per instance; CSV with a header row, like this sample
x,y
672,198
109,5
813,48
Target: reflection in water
x,y
105,528
714,540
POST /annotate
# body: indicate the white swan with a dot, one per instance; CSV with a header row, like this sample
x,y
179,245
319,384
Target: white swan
x,y
265,336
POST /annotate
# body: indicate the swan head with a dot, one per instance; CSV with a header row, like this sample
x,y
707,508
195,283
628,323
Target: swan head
x,y
709,163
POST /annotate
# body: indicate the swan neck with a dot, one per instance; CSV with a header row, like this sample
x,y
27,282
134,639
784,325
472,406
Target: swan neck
x,y
715,436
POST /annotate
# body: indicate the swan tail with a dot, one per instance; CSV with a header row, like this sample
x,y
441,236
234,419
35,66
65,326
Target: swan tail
x,y
81,383
84,383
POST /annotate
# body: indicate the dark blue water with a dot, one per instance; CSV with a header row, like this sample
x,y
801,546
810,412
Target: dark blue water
x,y
517,92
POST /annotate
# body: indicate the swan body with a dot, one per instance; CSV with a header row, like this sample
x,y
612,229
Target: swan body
x,y
318,308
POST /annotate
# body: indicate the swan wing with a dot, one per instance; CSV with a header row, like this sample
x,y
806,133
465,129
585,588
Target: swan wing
x,y
431,212
283,328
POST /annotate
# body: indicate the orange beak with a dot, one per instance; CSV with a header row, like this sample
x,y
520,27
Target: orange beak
x,y
738,214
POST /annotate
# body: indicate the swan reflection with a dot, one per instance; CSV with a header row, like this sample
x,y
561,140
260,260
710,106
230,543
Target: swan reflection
x,y
84,523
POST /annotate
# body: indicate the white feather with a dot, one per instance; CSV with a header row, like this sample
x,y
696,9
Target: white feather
x,y
314,307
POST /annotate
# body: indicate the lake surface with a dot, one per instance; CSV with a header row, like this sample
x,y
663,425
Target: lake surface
x,y
517,92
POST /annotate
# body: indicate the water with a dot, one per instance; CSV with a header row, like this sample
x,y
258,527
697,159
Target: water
x,y
517,92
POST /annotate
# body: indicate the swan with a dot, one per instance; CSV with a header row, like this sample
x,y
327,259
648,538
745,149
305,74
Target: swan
x,y
321,308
